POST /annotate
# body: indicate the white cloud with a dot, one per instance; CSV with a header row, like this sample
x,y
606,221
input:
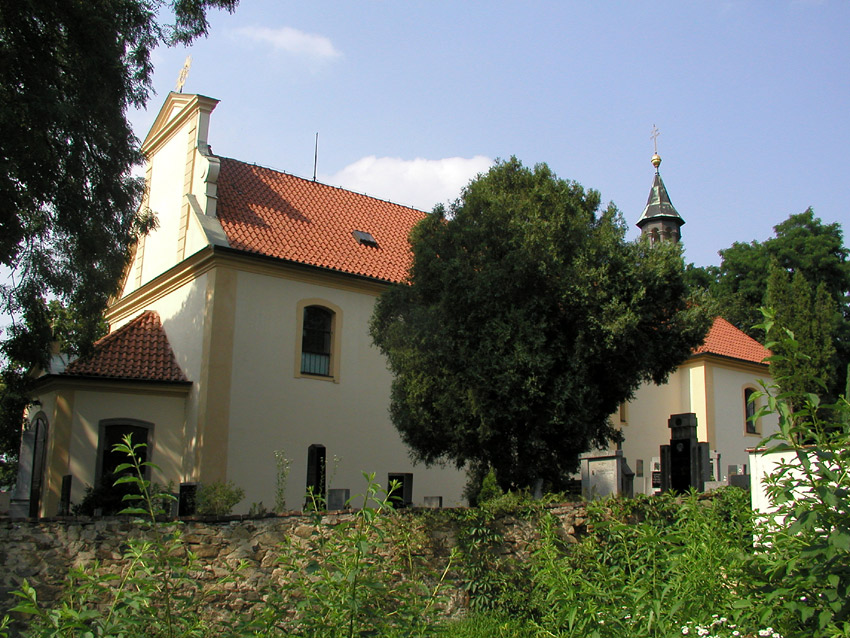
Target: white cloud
x,y
420,183
292,41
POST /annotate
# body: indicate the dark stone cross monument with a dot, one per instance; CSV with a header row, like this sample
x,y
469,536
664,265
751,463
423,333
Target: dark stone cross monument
x,y
685,462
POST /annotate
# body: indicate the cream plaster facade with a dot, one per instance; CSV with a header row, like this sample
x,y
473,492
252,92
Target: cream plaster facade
x,y
233,321
711,387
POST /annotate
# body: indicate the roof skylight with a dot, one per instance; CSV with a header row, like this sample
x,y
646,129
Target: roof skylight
x,y
364,238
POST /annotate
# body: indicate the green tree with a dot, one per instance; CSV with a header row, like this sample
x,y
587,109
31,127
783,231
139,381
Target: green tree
x,y
811,317
802,243
69,71
526,319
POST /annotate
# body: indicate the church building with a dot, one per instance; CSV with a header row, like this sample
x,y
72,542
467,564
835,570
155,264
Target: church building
x,y
718,384
240,337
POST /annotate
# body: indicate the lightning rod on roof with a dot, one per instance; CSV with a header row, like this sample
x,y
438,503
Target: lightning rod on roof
x,y
316,157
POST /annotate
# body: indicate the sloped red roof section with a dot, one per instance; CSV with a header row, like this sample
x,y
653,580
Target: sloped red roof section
x,y
270,213
138,350
726,340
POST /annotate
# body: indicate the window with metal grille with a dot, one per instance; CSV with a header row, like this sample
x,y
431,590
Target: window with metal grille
x,y
316,341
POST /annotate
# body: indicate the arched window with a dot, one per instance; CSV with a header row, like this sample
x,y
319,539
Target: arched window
x,y
316,338
653,236
316,476
112,432
750,411
39,463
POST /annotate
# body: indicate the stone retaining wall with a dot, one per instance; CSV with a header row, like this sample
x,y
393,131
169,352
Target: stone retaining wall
x,y
43,551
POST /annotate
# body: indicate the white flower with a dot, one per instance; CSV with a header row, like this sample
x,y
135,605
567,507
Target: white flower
x,y
685,631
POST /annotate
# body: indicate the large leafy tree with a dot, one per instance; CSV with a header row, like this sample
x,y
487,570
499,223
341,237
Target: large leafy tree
x,y
69,209
526,319
801,244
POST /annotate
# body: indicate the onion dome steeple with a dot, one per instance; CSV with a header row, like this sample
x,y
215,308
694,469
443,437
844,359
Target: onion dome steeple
x,y
660,220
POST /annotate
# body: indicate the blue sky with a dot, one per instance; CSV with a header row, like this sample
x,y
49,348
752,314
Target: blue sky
x,y
412,98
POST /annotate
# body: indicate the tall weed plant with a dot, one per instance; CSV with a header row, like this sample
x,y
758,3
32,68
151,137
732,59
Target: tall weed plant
x,y
800,571
646,566
154,595
347,579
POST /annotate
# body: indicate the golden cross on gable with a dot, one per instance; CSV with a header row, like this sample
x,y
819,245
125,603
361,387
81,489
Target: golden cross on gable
x,y
654,138
184,73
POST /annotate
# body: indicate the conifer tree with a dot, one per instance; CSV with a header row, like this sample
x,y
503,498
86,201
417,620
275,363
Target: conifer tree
x,y
810,314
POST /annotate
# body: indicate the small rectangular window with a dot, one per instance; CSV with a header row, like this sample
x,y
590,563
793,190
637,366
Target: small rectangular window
x,y
316,476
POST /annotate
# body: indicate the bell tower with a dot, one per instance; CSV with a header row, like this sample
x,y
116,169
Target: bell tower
x,y
659,221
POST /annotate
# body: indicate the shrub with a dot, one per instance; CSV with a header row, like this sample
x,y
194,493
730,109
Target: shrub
x,y
489,488
218,498
646,567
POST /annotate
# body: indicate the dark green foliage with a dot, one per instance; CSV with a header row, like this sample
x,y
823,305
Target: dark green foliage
x,y
801,244
68,73
526,320
105,498
8,472
811,316
218,498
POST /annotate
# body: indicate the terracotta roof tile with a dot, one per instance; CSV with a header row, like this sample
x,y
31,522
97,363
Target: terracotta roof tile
x,y
138,350
270,213
726,340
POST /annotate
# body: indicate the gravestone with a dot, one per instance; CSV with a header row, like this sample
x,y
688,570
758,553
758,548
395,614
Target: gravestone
x,y
338,498
605,473
434,502
685,462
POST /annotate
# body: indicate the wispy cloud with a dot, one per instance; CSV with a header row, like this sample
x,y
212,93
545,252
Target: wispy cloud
x,y
292,41
420,183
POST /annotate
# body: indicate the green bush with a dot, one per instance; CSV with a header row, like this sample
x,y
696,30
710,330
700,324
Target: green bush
x,y
489,488
218,498
646,567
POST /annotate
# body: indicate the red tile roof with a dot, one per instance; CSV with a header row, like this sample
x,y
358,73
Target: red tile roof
x,y
138,350
270,213
726,340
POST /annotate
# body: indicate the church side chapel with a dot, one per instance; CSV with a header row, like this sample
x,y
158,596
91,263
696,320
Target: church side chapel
x,y
240,335
712,394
